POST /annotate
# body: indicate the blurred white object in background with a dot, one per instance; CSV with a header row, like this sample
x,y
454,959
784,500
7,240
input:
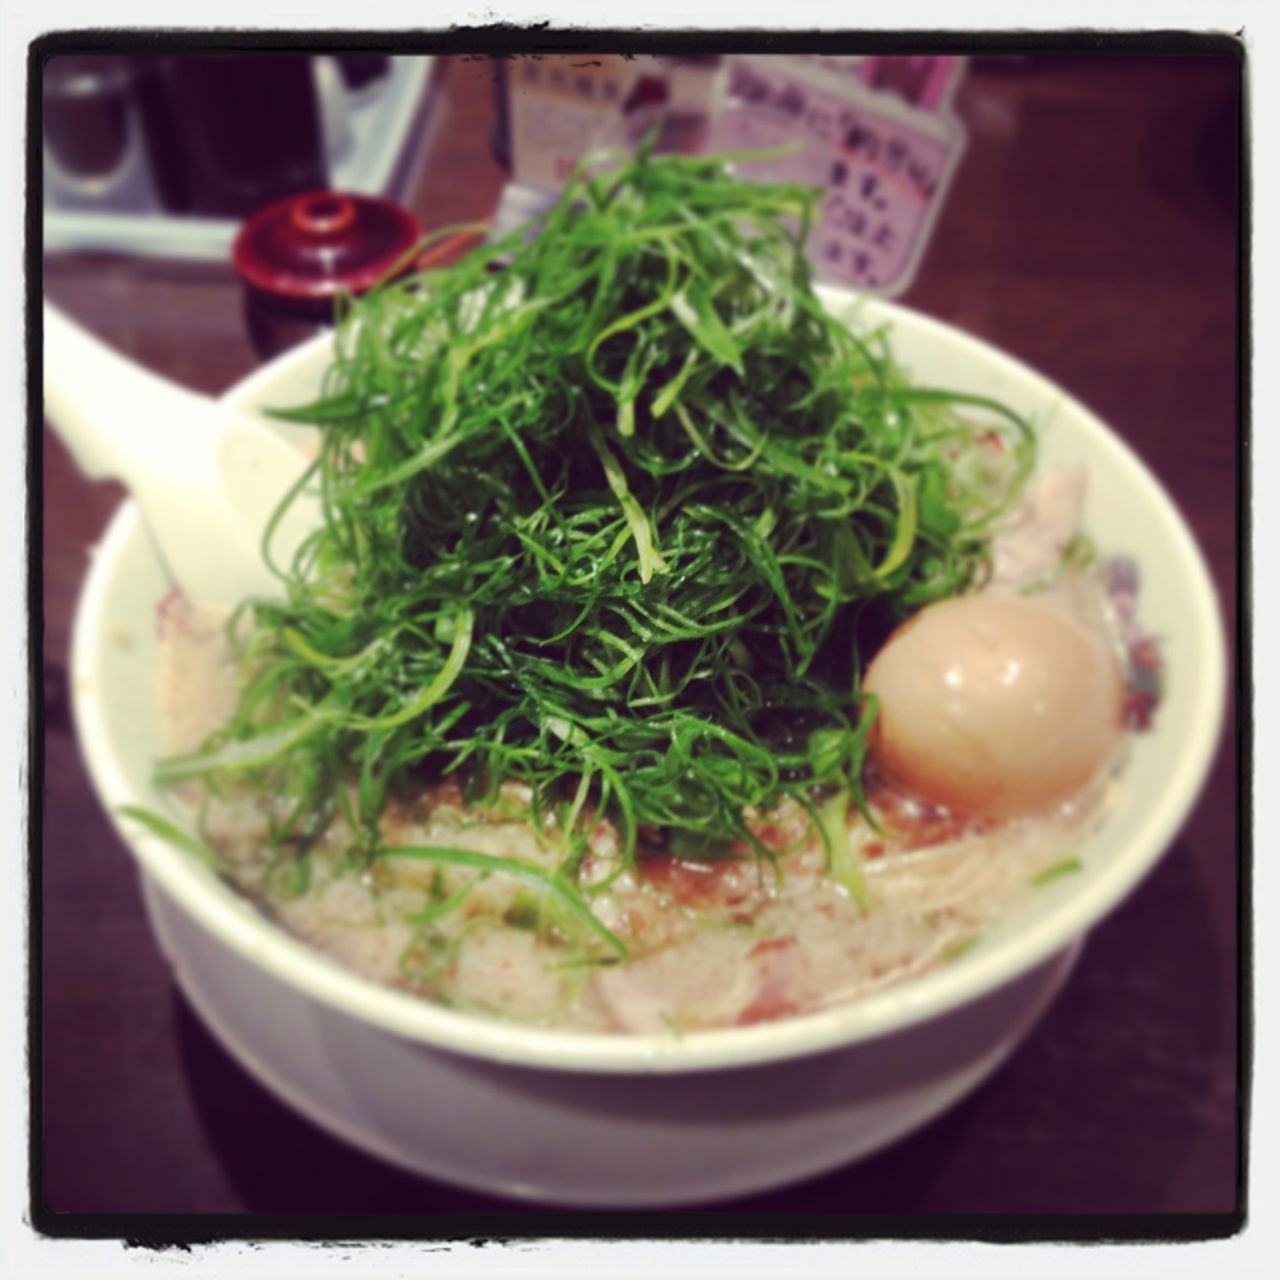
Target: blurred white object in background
x,y
127,215
335,115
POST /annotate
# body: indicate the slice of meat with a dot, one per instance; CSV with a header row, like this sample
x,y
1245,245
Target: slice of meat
x,y
1029,544
774,964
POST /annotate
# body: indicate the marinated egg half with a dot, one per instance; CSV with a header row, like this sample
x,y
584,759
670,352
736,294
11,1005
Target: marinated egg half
x,y
995,707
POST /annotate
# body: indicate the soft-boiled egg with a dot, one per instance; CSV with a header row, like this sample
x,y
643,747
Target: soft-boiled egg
x,y
995,707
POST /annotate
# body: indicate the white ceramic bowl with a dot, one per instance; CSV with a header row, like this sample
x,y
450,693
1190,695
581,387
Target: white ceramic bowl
x,y
221,941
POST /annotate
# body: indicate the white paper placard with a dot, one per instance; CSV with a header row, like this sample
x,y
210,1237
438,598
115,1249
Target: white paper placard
x,y
886,164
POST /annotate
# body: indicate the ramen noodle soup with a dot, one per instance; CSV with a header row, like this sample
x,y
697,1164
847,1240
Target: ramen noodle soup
x,y
957,830
666,658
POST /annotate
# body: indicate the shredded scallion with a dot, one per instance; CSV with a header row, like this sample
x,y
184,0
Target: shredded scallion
x,y
612,507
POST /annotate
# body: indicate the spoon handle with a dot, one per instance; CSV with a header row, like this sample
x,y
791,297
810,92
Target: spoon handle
x,y
116,417
206,480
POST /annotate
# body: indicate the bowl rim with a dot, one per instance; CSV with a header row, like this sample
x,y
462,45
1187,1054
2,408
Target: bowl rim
x,y
262,942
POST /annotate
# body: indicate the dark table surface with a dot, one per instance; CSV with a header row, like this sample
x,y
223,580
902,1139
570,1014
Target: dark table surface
x,y
1092,232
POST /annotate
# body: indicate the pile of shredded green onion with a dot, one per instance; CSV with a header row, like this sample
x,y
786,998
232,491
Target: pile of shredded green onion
x,y
611,508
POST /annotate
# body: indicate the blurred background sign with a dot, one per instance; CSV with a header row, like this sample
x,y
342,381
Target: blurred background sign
x,y
877,133
561,109
865,133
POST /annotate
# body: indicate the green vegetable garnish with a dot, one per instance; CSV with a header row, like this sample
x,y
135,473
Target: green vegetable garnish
x,y
1079,553
167,831
558,890
1068,866
611,521
843,864
961,947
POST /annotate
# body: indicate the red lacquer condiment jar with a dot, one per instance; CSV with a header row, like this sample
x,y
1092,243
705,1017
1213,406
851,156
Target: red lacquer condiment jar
x,y
297,255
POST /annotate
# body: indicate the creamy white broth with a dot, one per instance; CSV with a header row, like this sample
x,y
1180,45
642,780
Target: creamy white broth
x,y
710,944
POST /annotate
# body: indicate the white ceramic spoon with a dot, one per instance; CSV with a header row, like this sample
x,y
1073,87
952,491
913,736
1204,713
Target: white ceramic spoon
x,y
207,480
